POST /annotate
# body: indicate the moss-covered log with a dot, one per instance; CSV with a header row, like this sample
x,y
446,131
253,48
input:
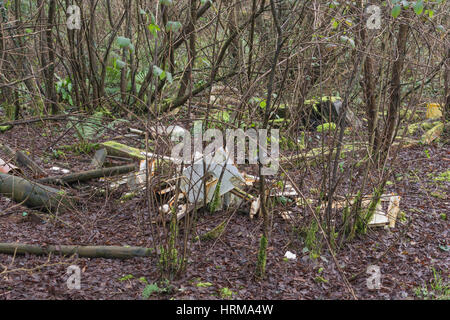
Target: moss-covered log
x,y
120,150
82,251
32,194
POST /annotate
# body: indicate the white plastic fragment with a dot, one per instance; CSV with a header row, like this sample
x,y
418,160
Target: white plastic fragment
x,y
290,256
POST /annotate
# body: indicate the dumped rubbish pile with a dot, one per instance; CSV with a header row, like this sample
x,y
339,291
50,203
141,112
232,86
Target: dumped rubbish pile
x,y
211,181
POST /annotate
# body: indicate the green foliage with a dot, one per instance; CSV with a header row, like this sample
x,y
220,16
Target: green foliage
x,y
418,7
204,284
365,217
127,277
78,148
320,279
214,233
92,128
173,26
149,290
226,293
439,288
64,89
311,240
396,10
443,177
215,203
326,127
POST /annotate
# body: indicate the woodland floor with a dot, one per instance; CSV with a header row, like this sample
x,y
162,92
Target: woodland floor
x,y
406,254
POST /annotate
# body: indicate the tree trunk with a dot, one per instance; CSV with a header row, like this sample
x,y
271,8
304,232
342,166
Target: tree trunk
x,y
394,105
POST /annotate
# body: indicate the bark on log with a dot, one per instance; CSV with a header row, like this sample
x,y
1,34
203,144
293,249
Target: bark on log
x,y
109,252
34,195
89,175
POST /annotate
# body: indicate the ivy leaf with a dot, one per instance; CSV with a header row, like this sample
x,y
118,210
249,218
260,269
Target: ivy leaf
x,y
157,71
153,29
124,42
396,11
173,26
418,7
120,64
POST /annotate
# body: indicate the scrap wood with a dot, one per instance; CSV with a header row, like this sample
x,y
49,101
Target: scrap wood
x,y
109,252
89,175
23,160
380,217
255,207
393,210
34,195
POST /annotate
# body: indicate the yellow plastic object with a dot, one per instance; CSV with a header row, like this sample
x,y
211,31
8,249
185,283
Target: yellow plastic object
x,y
433,111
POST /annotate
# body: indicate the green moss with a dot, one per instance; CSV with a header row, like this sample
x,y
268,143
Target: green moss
x,y
262,257
212,234
117,149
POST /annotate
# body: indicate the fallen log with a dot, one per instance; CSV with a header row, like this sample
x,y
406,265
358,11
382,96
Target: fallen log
x,y
108,252
33,195
89,175
23,160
